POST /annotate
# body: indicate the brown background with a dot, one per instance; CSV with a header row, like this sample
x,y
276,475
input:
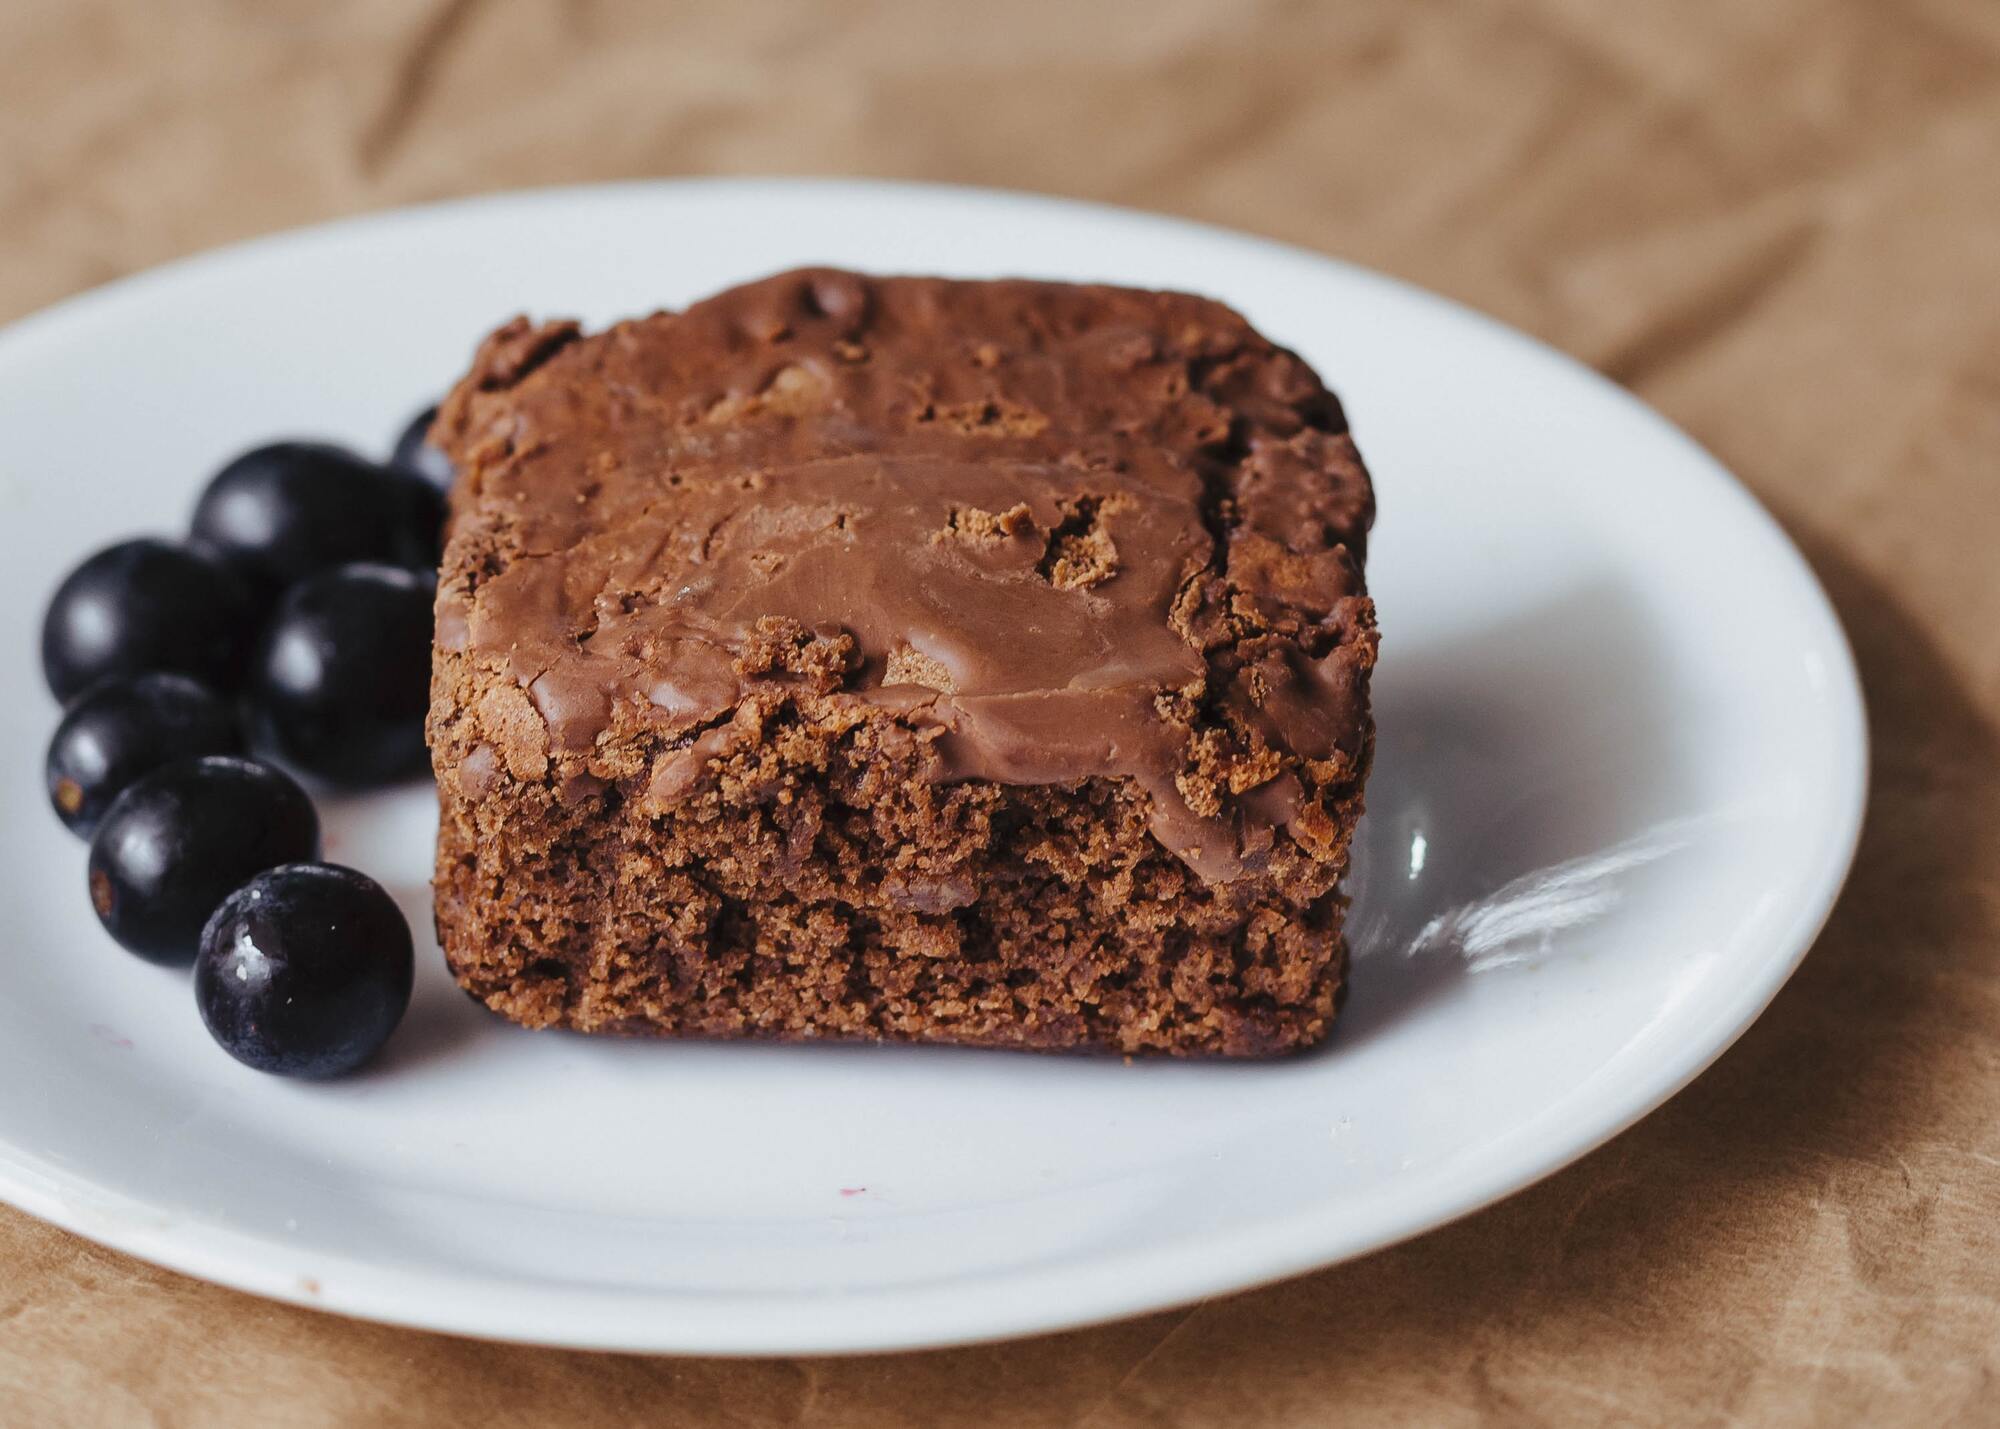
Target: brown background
x,y
1778,220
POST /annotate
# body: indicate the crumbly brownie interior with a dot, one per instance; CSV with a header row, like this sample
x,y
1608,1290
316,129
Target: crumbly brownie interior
x,y
966,662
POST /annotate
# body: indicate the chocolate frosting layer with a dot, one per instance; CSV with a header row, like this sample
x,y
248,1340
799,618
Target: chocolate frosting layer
x,y
1068,531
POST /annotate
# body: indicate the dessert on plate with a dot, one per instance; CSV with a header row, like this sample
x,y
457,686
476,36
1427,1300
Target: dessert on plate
x,y
902,658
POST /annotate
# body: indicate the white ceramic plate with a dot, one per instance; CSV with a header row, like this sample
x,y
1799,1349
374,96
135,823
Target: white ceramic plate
x,y
1620,779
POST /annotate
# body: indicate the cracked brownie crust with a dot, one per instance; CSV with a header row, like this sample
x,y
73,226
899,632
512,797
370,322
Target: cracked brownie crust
x,y
978,662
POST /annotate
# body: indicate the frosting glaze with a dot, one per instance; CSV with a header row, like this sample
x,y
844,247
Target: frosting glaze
x,y
1067,531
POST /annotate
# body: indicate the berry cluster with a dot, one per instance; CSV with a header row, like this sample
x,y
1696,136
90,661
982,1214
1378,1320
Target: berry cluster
x,y
294,621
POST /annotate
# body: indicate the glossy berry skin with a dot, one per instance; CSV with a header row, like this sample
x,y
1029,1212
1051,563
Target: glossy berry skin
x,y
282,512
304,971
173,846
146,605
342,681
121,729
415,453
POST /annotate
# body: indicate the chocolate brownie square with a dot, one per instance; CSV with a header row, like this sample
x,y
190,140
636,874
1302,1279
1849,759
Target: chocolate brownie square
x,y
849,657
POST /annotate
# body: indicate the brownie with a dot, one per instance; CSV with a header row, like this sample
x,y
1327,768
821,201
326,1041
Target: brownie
x,y
900,658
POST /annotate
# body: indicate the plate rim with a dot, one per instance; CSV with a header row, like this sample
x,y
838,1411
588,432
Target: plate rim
x,y
1015,1301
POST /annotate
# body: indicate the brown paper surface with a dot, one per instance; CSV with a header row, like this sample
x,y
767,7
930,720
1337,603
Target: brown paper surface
x,y
1778,221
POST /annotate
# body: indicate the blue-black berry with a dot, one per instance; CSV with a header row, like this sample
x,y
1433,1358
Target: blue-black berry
x,y
123,728
284,511
173,845
414,451
141,606
342,681
304,971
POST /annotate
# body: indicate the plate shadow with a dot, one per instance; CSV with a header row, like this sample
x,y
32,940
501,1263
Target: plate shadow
x,y
1500,753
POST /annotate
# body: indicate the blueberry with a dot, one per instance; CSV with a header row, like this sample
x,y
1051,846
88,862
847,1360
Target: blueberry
x,y
304,970
175,843
141,606
341,683
282,512
122,728
415,452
